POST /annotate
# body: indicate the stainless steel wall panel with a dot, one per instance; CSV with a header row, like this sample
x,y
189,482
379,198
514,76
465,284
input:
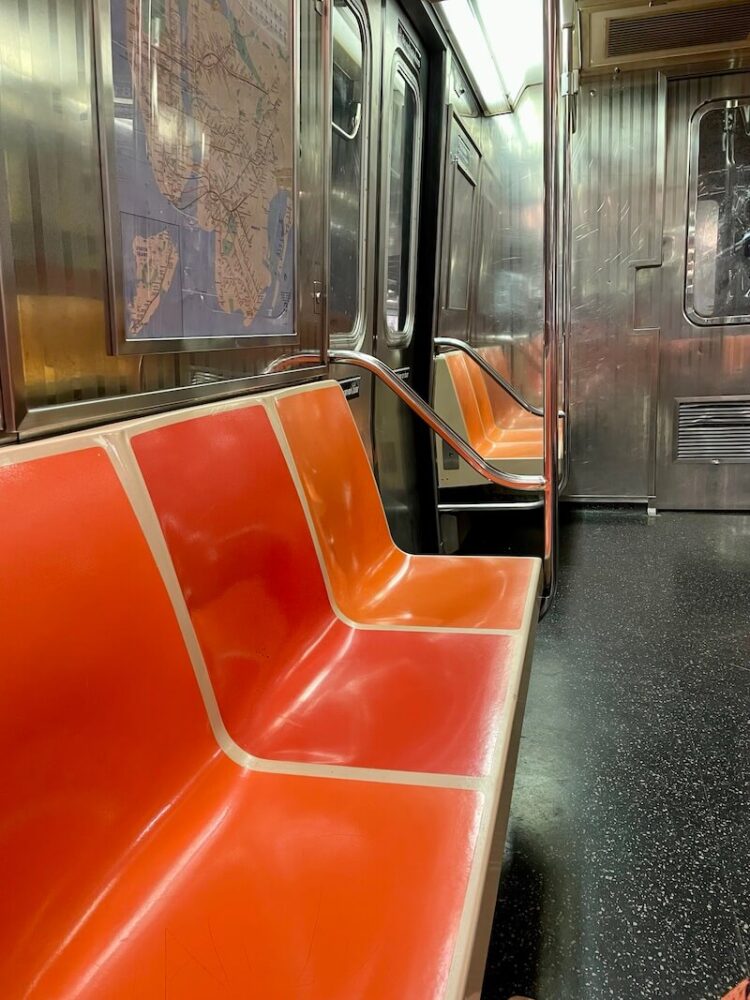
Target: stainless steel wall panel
x,y
510,257
616,227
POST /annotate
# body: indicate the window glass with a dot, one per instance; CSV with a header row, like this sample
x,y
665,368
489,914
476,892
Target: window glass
x,y
720,221
402,202
348,154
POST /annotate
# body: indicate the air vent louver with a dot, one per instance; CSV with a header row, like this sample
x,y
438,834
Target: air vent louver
x,y
711,430
678,30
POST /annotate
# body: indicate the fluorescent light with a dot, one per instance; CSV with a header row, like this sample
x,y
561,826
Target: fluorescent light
x,y
469,37
516,33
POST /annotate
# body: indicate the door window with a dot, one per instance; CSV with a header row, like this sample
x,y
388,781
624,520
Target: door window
x,y
351,59
717,289
404,164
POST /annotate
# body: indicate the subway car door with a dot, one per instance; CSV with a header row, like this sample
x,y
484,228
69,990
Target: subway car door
x,y
404,95
356,55
703,458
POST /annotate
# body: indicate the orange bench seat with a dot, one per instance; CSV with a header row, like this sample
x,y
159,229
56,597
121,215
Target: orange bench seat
x,y
498,428
371,580
212,783
286,683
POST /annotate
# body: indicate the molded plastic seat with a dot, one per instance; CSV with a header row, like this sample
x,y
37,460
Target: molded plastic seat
x,y
518,435
372,581
293,681
144,852
136,859
505,411
500,430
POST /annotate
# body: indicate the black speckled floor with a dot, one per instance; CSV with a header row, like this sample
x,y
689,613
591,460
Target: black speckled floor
x,y
628,863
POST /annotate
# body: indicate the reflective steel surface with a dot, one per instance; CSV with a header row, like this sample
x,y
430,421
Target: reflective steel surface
x,y
510,262
616,226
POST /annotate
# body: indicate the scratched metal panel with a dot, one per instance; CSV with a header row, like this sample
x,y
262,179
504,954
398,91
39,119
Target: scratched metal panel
x,y
510,257
50,180
616,197
696,361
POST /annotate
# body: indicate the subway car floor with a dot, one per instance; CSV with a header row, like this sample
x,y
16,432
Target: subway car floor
x,y
627,868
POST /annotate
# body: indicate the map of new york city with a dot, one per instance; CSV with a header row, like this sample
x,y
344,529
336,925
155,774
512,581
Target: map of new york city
x,y
204,137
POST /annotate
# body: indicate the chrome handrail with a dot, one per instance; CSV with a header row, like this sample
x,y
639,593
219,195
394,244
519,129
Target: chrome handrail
x,y
493,373
289,362
350,136
436,423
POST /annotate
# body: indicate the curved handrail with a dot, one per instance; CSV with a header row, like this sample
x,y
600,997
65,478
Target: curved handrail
x,y
436,423
487,368
288,362
350,136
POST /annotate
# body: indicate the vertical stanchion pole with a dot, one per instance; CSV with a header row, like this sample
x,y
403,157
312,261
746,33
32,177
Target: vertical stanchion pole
x,y
568,91
551,291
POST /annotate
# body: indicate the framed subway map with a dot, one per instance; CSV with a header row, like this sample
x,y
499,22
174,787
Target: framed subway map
x,y
198,126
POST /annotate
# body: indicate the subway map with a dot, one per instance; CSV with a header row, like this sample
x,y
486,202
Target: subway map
x,y
204,161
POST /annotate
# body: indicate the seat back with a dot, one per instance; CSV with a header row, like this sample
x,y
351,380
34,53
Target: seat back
x,y
463,385
241,547
340,487
482,385
96,691
502,405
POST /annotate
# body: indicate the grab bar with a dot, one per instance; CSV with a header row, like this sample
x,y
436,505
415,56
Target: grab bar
x,y
350,136
487,368
436,423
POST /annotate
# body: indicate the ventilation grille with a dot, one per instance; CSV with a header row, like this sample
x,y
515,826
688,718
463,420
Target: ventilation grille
x,y
679,30
711,430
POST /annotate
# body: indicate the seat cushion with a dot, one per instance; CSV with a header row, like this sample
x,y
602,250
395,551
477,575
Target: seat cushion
x,y
275,886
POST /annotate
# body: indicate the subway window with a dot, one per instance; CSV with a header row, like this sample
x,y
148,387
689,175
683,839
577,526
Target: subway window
x,y
403,205
348,173
718,258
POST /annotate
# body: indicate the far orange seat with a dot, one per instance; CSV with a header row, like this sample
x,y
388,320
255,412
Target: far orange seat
x,y
497,427
505,410
373,581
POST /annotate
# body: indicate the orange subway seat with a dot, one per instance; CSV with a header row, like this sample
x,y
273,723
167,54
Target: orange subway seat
x,y
292,680
494,431
505,411
372,580
513,422
476,428
487,438
137,859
